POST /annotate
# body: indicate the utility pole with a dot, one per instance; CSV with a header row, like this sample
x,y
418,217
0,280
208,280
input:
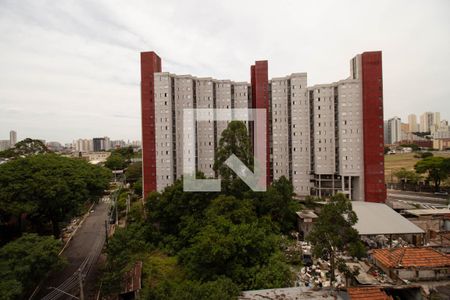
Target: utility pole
x,y
80,278
116,197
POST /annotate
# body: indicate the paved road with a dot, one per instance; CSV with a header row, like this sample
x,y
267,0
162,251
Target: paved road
x,y
416,197
80,247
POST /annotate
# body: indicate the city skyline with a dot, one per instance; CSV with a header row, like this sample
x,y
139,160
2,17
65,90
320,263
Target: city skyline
x,y
71,67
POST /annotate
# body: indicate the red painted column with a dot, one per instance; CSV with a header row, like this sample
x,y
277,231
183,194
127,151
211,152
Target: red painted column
x,y
260,99
372,92
150,63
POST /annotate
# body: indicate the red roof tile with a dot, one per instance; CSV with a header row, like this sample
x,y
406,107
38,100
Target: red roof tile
x,y
411,257
367,293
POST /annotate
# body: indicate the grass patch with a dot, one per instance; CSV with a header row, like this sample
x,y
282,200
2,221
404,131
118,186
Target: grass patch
x,y
395,162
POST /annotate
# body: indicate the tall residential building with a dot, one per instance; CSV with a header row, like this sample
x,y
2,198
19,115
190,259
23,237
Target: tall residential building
x,y
83,145
412,123
12,138
325,138
101,144
394,130
4,145
430,122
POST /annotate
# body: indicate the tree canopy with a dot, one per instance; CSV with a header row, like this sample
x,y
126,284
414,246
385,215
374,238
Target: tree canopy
x,y
24,262
333,231
48,188
234,140
437,168
407,176
25,147
115,162
218,243
134,172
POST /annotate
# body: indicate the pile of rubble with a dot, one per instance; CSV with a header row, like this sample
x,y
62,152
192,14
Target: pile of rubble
x,y
318,276
381,241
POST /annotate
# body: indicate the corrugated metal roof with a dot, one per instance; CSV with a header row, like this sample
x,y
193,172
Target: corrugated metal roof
x,y
378,218
430,211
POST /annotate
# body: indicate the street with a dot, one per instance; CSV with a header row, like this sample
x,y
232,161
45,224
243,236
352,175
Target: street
x,y
426,198
83,250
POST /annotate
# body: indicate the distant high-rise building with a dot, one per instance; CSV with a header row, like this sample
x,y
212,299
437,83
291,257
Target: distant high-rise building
x,y
325,138
412,123
386,133
107,143
83,145
12,138
99,144
117,144
430,122
54,146
443,131
394,130
4,145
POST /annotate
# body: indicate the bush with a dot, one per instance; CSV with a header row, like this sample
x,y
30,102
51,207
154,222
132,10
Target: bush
x,y
25,261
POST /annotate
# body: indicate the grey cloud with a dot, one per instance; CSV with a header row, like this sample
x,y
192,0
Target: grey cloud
x,y
71,68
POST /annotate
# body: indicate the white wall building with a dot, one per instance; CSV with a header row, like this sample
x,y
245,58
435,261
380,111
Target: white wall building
x,y
83,145
316,134
394,130
12,138
413,126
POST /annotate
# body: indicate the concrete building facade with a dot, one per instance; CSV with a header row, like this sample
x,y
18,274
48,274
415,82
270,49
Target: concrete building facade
x,y
393,130
325,138
430,122
413,126
12,138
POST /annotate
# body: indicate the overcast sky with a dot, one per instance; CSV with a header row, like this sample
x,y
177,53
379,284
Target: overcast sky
x,y
70,69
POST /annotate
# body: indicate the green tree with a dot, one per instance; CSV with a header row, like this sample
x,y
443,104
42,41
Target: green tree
x,y
334,231
137,187
25,147
279,204
425,154
48,188
234,140
437,168
123,249
176,216
126,152
115,162
405,176
134,172
24,262
221,289
237,251
235,243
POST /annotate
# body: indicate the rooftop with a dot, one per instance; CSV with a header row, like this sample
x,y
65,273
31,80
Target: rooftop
x,y
378,218
367,293
411,257
306,214
428,212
